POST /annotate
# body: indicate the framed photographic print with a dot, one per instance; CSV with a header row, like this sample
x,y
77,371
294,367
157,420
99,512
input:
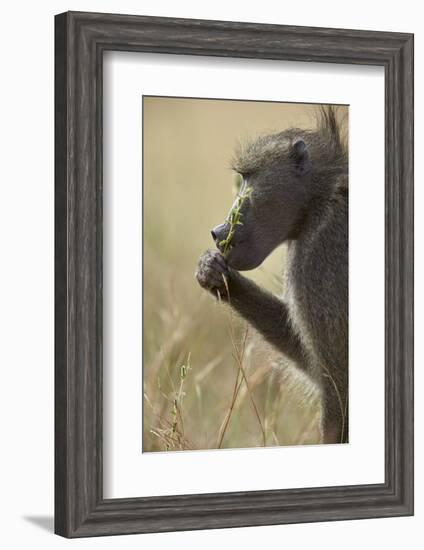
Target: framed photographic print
x,y
234,274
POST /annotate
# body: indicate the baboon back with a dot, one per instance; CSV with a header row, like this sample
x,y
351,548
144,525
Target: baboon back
x,y
317,296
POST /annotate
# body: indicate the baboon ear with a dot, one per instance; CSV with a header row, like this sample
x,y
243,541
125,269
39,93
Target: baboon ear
x,y
301,157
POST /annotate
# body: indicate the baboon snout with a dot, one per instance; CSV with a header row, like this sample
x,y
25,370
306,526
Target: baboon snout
x,y
219,233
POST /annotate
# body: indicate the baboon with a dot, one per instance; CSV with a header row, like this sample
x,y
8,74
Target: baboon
x,y
295,190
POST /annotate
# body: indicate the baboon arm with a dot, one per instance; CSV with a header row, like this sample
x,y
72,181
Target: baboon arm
x,y
265,312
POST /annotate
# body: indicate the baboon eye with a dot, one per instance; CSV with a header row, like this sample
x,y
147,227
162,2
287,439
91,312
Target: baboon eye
x,y
238,181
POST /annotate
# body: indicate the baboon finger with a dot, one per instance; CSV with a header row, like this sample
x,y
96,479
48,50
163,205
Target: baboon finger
x,y
220,260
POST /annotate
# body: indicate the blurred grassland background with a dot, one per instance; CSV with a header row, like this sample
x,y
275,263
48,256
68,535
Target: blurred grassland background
x,y
209,380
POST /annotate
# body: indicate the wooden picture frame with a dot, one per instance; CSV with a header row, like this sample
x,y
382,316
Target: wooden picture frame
x,y
80,40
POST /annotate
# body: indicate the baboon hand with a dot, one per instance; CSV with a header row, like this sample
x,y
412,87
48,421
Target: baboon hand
x,y
212,272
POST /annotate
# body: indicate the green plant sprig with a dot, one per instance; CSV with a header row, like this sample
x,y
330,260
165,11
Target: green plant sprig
x,y
234,219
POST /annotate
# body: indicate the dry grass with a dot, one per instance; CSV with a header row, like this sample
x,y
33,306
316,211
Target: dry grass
x,y
210,383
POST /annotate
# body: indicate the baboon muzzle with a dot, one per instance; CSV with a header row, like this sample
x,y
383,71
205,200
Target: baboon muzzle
x,y
220,233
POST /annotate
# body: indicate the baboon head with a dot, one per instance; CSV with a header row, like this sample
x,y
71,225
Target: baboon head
x,y
271,202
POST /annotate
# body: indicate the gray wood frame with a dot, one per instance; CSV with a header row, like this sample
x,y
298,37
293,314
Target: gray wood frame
x,y
80,40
